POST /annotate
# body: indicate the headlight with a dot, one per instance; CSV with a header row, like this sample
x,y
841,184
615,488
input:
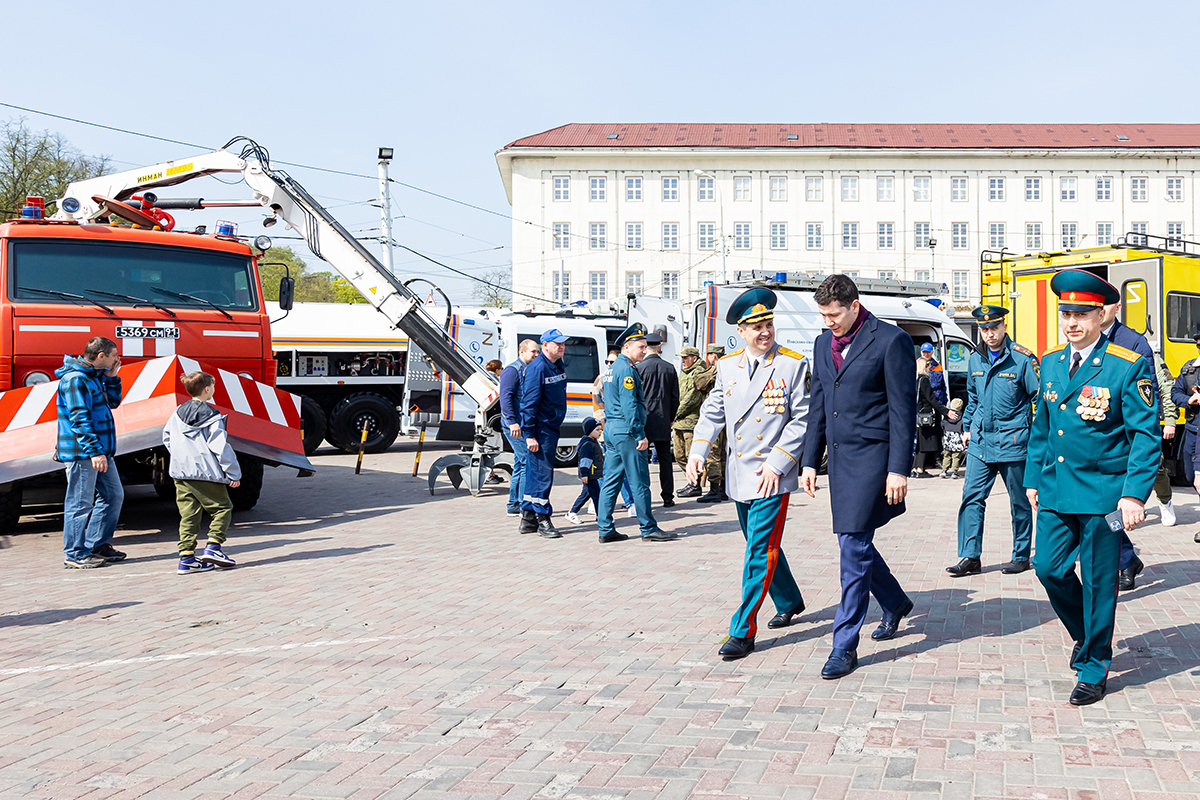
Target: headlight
x,y
263,243
34,378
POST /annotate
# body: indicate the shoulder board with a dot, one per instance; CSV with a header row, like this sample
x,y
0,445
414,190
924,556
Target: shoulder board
x,y
1121,352
734,353
785,352
1056,348
1023,350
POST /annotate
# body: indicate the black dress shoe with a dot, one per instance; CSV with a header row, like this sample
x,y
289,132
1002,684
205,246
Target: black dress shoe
x,y
1087,693
889,624
668,503
613,537
658,535
691,490
716,493
840,664
968,566
528,523
1014,567
1127,579
736,647
784,620
546,529
1075,654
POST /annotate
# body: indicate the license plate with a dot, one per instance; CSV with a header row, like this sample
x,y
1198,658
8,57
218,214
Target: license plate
x,y
141,332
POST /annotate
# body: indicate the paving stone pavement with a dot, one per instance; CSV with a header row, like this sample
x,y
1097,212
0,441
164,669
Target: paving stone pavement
x,y
376,642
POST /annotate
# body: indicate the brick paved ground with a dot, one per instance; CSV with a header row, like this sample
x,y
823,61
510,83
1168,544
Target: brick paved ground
x,y
379,642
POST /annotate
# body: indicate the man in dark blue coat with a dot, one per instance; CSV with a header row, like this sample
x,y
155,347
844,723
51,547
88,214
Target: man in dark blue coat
x,y
543,408
510,417
862,412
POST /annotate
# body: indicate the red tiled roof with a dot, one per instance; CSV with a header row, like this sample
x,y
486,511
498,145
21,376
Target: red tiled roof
x,y
870,135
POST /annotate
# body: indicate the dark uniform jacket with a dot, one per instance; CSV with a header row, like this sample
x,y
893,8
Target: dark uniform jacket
x,y
1181,392
660,389
543,398
1000,398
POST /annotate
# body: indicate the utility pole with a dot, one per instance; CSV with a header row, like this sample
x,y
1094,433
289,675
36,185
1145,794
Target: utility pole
x,y
385,206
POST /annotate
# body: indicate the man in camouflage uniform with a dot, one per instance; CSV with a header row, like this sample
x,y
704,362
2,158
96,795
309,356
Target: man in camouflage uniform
x,y
714,465
688,413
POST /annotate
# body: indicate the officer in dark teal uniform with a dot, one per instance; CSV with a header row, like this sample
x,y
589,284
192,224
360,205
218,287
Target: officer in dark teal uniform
x,y
626,453
1002,386
1093,450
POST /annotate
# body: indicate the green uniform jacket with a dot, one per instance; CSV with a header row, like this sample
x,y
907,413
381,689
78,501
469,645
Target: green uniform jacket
x,y
1084,466
624,408
1000,398
689,400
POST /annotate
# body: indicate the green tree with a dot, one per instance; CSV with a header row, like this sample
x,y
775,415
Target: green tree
x,y
39,163
311,287
495,290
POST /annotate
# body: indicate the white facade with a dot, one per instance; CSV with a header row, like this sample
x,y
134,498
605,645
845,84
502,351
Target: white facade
x,y
615,220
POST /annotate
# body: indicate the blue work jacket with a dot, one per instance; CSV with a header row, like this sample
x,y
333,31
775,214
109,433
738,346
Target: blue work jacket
x,y
1000,398
543,397
624,406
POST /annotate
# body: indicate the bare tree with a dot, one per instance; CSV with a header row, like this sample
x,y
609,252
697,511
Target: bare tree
x,y
494,289
39,163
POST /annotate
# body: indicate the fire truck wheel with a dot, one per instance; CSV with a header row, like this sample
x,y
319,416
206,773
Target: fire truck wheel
x,y
312,419
566,456
10,507
245,496
346,423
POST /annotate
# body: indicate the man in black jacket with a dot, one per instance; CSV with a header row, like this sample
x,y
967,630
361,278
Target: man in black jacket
x,y
660,384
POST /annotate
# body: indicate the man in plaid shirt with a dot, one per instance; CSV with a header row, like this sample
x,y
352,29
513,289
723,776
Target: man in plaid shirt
x,y
88,390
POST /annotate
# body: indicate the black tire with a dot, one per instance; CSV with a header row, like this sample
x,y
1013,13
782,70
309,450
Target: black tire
x,y
245,496
566,455
10,508
346,421
312,421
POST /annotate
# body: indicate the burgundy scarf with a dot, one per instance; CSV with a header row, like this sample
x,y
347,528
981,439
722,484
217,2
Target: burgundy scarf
x,y
840,343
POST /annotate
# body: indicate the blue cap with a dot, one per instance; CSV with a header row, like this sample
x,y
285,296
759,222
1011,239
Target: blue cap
x,y
635,331
1079,290
989,316
554,335
752,305
927,348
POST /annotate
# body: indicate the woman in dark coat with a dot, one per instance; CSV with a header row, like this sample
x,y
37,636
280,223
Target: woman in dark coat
x,y
929,437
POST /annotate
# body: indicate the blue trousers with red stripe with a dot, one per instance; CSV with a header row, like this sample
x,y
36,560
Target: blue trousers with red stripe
x,y
766,571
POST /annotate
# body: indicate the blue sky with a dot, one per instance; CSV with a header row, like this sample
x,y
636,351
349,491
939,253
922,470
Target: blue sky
x,y
448,84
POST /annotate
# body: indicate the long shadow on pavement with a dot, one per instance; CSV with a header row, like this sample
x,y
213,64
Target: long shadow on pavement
x,y
51,616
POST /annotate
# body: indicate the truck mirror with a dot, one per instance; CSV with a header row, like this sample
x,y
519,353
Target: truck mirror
x,y
287,292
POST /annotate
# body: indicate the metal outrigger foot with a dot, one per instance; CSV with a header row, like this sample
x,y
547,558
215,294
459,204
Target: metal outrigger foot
x,y
474,468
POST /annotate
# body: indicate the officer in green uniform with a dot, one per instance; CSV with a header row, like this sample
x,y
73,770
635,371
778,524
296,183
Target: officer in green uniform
x,y
714,465
1002,386
1093,451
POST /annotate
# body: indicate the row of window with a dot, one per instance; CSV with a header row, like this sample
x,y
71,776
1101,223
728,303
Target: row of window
x,y
997,233
1069,188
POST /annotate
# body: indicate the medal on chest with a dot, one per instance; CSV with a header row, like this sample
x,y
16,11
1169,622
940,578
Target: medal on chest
x,y
1093,403
774,396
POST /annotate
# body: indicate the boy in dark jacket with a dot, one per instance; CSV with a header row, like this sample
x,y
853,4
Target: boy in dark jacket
x,y
591,468
952,439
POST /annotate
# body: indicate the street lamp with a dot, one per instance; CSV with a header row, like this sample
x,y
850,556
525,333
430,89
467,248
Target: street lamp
x,y
932,244
699,173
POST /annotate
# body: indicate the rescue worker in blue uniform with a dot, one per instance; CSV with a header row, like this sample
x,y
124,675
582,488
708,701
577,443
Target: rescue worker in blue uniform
x,y
1002,386
626,447
1093,451
543,408
760,400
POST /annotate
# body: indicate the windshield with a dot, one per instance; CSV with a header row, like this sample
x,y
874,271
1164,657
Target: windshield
x,y
42,270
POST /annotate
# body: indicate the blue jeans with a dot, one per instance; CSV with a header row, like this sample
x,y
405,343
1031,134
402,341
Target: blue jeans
x,y
92,506
517,482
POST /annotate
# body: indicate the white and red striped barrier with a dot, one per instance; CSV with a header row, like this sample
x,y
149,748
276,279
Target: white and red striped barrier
x,y
262,420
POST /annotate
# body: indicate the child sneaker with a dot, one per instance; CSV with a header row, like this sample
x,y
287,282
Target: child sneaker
x,y
189,565
213,555
573,518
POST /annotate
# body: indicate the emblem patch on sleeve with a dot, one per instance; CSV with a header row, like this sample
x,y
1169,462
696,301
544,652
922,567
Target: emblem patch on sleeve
x,y
1146,390
628,382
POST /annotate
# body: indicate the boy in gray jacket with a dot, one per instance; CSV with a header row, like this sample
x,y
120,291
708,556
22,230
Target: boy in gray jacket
x,y
202,464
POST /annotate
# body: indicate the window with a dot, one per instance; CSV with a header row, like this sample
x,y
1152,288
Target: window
x,y
1183,316
562,236
779,187
1104,233
1175,234
704,188
961,288
599,188
849,235
1066,188
741,236
885,188
581,358
1033,236
779,236
850,187
920,234
633,283
1070,237
921,188
1138,228
887,275
670,285
958,236
850,273
1033,188
599,285
923,275
670,236
706,277
958,190
1175,189
562,187
1104,188
562,287
741,188
633,188
812,188
995,188
996,237
813,236
633,235
599,231
670,188
887,239
1137,190
708,236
